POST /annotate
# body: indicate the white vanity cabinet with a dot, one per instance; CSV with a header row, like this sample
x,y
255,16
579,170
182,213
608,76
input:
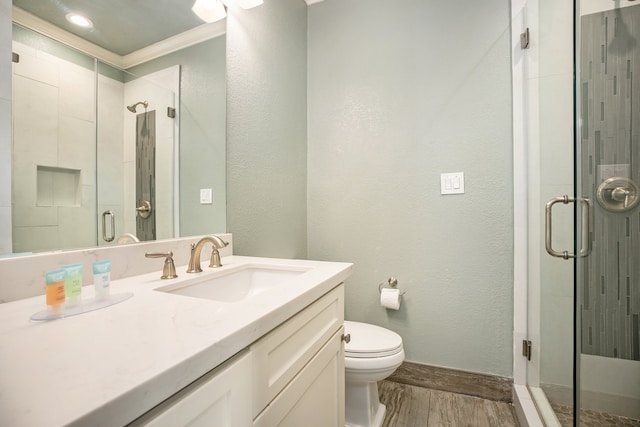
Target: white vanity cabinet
x,y
292,376
219,398
299,368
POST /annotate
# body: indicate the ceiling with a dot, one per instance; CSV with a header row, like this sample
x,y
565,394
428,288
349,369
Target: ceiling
x,y
120,26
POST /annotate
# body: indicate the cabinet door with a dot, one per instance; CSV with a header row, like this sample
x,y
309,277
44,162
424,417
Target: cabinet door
x,y
219,398
282,353
315,397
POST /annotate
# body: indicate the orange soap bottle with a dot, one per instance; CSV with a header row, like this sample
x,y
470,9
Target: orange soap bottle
x,y
55,290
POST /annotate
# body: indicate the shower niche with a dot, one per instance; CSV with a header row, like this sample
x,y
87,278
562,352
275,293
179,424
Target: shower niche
x,y
58,187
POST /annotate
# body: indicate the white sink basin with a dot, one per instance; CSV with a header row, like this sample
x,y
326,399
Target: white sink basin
x,y
236,285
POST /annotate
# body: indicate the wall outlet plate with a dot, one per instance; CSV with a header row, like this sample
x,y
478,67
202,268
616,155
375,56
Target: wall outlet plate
x,y
452,183
206,196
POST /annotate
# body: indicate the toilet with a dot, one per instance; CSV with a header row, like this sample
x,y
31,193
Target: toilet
x,y
372,354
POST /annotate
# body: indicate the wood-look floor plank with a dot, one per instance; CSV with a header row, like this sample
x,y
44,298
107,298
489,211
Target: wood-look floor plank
x,y
407,406
495,414
449,409
413,406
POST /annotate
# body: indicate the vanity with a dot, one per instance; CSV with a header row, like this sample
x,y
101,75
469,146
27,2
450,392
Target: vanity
x,y
266,351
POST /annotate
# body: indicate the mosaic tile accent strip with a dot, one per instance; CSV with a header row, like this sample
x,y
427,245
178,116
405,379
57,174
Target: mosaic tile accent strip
x,y
610,147
146,172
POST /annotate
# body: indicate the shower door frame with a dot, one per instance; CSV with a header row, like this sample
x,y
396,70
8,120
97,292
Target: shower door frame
x,y
529,138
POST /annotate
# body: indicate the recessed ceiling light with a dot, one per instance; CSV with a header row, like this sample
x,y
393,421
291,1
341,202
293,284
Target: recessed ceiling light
x,y
209,10
79,20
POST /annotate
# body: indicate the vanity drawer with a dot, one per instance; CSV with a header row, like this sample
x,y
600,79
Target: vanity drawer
x,y
315,397
282,353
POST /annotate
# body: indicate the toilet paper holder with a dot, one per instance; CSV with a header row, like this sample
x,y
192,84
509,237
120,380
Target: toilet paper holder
x,y
392,283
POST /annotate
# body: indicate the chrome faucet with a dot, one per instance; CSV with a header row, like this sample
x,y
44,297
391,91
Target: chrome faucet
x,y
196,250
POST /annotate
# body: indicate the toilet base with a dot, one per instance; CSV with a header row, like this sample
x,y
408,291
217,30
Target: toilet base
x,y
362,406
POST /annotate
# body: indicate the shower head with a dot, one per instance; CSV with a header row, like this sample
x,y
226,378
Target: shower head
x,y
132,108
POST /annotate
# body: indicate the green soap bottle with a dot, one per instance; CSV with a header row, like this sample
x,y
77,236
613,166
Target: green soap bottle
x,y
72,283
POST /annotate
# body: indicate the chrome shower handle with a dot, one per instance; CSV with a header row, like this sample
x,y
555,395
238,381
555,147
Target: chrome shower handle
x,y
586,226
104,226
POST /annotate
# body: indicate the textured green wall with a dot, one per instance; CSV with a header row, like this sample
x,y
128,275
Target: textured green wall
x,y
398,95
267,132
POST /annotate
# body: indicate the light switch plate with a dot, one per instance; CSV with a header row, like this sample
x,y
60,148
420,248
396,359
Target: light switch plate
x,y
206,196
452,183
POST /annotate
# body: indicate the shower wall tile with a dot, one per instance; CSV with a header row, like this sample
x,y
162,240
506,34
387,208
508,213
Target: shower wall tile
x,y
5,230
556,98
129,197
35,137
34,239
25,209
110,145
164,184
5,128
164,221
76,147
555,38
77,224
5,154
557,315
35,68
5,49
610,89
77,92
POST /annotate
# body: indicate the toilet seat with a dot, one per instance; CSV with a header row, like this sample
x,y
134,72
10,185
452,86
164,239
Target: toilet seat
x,y
371,341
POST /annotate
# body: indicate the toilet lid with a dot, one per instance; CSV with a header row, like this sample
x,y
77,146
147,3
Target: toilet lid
x,y
370,340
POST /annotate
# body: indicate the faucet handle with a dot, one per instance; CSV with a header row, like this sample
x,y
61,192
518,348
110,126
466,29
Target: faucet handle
x,y
169,268
193,267
215,259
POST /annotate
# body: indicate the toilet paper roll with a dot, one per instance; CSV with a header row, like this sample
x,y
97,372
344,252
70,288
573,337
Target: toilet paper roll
x,y
390,298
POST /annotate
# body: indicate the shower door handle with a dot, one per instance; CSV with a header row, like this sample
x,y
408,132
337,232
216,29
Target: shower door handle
x,y
110,238
586,226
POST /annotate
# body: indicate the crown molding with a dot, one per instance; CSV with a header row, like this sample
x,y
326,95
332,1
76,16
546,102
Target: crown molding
x,y
156,50
179,41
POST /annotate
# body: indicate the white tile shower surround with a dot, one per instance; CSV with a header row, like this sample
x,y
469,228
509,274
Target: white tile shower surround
x,y
60,137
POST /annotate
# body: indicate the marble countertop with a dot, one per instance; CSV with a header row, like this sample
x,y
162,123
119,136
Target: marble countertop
x,y
109,366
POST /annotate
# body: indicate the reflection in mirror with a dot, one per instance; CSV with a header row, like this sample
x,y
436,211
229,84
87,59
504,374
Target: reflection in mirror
x,y
64,114
80,175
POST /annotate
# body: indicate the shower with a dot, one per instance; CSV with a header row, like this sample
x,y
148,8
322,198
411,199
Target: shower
x,y
132,108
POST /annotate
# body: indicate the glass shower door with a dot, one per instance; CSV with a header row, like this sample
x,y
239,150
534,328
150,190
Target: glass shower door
x,y
608,165
583,314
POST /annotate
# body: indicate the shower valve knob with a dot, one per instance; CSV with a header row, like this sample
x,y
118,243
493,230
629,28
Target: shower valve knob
x,y
144,210
618,194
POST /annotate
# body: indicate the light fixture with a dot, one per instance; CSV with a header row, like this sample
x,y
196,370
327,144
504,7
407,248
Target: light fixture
x,y
248,4
209,10
79,20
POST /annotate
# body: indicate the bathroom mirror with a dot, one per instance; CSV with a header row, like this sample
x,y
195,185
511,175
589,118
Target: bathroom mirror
x,y
60,205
